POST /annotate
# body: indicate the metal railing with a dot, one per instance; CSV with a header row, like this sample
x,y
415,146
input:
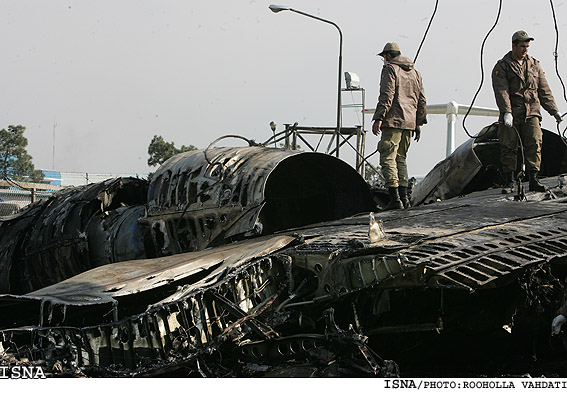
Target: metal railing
x,y
293,135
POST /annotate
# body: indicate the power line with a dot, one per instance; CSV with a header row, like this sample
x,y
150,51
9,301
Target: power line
x,y
426,30
555,55
481,69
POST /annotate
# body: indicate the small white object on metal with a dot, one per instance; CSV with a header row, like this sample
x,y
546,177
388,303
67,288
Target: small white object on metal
x,y
375,230
352,80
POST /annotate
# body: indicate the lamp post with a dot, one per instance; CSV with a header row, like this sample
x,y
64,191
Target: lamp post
x,y
278,8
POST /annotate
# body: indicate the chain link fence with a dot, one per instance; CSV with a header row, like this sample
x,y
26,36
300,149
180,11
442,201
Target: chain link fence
x,y
17,195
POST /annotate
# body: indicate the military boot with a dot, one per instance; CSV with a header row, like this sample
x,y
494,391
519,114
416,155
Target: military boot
x,y
508,183
535,184
403,192
395,202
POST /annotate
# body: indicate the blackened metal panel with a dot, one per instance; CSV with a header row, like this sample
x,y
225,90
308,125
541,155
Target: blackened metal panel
x,y
117,236
475,166
48,242
448,178
136,276
200,199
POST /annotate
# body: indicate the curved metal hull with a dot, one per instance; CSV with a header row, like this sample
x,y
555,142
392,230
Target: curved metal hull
x,y
460,273
69,233
200,199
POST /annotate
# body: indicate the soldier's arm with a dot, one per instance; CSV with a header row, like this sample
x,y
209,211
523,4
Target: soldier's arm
x,y
387,92
501,88
544,92
421,117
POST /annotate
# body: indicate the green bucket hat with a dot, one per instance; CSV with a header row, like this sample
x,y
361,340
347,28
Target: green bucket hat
x,y
389,47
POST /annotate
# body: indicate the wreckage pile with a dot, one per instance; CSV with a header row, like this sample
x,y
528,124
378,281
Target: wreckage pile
x,y
258,262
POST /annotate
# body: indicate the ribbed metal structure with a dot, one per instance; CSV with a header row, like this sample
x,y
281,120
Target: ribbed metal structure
x,y
69,233
206,198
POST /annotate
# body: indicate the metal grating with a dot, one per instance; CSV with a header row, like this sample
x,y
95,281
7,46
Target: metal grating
x,y
474,259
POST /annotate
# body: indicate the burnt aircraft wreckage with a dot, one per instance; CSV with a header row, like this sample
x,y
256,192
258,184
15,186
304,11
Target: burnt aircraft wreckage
x,y
267,262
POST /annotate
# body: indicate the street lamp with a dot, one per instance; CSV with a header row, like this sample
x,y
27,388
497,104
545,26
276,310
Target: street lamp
x,y
278,8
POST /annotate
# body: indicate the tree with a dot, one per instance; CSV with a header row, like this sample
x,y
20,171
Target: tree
x,y
15,162
160,151
373,175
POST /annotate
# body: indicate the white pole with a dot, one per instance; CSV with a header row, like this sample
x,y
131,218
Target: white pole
x,y
452,111
53,157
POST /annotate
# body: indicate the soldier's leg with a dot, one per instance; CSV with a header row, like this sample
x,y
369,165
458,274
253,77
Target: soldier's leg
x,y
508,138
401,163
532,138
388,148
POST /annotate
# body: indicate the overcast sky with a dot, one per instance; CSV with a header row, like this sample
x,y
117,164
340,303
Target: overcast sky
x,y
107,76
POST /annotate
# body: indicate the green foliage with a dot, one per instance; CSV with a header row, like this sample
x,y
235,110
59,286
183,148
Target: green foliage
x,y
160,150
373,176
15,162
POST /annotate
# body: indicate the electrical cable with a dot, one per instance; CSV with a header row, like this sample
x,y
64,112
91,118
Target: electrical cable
x,y
426,31
221,175
555,55
481,69
250,143
482,82
521,147
414,60
16,184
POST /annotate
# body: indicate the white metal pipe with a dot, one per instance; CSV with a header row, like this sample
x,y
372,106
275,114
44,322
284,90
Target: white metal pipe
x,y
451,110
451,113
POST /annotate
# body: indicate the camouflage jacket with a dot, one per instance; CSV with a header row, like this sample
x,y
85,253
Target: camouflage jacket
x,y
515,93
401,103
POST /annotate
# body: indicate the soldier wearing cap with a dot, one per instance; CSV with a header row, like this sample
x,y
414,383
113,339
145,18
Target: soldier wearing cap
x,y
399,113
520,89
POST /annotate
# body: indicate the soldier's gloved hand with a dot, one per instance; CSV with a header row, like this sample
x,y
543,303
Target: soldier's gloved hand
x,y
508,120
558,117
557,323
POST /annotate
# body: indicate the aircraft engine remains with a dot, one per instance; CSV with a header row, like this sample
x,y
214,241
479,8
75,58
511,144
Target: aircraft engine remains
x,y
196,200
259,262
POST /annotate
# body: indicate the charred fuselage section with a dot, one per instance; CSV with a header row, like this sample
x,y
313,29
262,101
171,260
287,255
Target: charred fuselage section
x,y
71,232
196,200
475,166
201,199
463,287
440,299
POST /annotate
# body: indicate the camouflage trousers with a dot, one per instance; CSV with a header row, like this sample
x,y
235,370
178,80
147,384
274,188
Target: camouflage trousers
x,y
393,148
531,137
